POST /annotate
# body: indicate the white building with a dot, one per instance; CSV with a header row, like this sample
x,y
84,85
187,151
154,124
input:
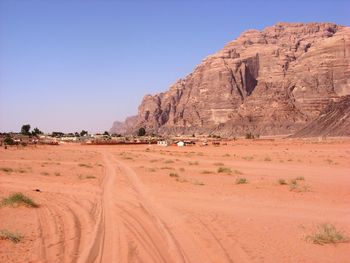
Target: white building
x,y
162,143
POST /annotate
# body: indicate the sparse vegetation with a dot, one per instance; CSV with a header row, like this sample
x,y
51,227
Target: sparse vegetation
x,y
17,199
57,174
166,168
248,158
237,172
173,175
241,180
327,234
282,181
45,173
223,169
85,165
168,161
295,187
181,180
181,169
226,155
219,164
6,169
299,178
193,163
196,182
21,170
81,177
11,236
207,172
267,159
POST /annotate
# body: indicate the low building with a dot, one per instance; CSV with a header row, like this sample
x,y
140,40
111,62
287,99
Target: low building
x,y
162,143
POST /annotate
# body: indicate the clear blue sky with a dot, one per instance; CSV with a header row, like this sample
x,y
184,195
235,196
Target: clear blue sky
x,y
73,65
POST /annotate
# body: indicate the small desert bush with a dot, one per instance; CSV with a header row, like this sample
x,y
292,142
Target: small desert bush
x,y
12,236
17,199
196,182
207,172
85,165
327,234
218,164
267,159
237,172
152,170
248,158
226,155
181,180
241,180
168,161
173,175
295,187
45,173
223,169
57,174
181,169
6,169
299,178
166,168
193,163
282,181
90,177
21,171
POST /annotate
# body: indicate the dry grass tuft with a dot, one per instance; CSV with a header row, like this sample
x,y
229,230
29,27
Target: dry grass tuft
x,y
12,236
17,199
241,180
85,165
6,169
173,175
327,234
282,181
224,169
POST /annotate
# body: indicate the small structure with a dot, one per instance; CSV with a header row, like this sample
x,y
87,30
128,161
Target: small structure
x,y
162,143
180,144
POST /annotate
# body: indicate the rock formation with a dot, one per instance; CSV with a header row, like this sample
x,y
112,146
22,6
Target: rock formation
x,y
273,81
334,120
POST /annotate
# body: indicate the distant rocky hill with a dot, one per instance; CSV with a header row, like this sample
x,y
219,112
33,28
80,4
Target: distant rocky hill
x,y
269,82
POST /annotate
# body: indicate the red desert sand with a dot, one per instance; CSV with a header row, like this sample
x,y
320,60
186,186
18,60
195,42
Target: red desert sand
x,y
248,201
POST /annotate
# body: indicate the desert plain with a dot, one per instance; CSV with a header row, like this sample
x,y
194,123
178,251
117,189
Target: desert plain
x,y
247,201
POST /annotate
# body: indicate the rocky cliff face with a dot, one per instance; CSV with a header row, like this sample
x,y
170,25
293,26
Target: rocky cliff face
x,y
273,81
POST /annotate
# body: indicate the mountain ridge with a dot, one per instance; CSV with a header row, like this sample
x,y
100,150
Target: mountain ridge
x,y
269,82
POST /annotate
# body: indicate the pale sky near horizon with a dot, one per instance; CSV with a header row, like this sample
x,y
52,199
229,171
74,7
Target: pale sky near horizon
x,y
73,65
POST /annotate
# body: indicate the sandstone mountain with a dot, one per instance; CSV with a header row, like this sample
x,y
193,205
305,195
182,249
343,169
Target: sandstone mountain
x,y
274,81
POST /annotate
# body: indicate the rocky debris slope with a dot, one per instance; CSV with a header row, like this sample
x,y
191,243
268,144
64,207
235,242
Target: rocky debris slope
x,y
273,81
334,120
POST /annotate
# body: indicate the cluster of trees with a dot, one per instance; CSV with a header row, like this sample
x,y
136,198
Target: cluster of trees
x,y
25,130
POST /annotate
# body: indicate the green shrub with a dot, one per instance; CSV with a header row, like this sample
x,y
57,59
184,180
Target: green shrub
x,y
16,199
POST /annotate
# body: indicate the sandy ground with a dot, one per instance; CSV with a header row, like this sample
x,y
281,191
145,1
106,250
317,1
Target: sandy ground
x,y
170,204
